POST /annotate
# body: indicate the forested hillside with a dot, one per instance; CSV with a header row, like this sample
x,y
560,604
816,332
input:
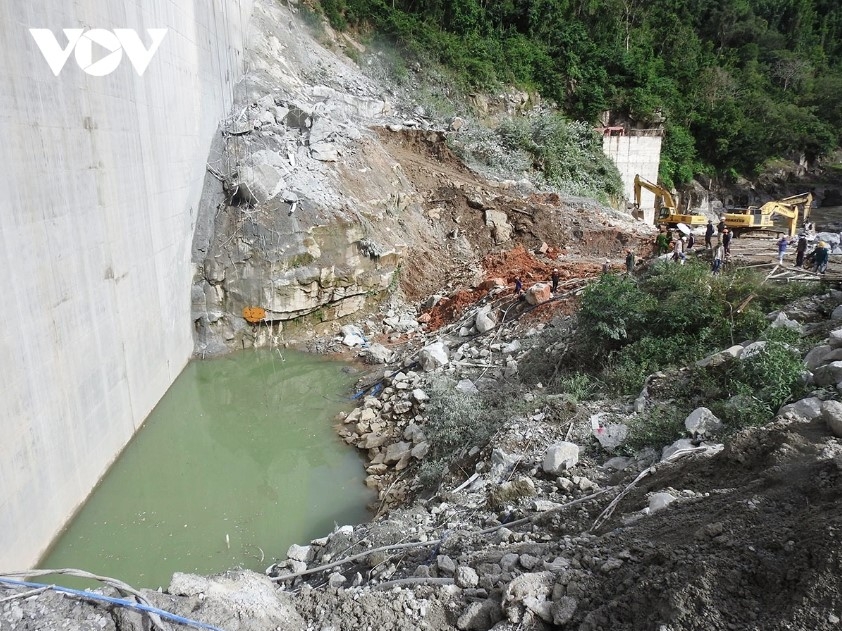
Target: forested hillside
x,y
737,81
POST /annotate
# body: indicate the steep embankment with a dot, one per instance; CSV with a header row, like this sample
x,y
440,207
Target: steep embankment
x,y
320,189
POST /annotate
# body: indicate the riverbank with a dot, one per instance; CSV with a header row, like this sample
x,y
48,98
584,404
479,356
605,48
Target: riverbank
x,y
548,520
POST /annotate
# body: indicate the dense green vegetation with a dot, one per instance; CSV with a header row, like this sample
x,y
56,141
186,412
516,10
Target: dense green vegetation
x,y
737,81
568,155
630,328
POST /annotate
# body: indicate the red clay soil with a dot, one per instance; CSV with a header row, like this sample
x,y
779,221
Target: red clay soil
x,y
507,266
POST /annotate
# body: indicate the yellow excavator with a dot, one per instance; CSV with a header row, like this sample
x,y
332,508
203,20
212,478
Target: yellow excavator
x,y
762,218
666,211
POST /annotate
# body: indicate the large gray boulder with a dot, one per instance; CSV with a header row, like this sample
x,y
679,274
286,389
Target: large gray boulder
x,y
433,356
781,321
721,357
702,421
755,348
808,408
377,354
612,435
681,443
396,451
832,415
837,313
560,457
659,501
485,320
835,339
480,615
817,356
828,375
237,599
530,588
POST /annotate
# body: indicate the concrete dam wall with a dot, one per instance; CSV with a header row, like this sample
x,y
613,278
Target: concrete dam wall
x,y
104,170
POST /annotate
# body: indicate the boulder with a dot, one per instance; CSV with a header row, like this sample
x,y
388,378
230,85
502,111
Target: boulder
x,y
781,321
612,435
563,609
832,415
817,355
837,313
351,329
560,456
261,178
466,386
377,354
466,577
300,553
485,320
808,408
830,374
659,501
324,152
617,463
414,434
480,616
511,369
433,356
502,464
498,221
702,421
835,339
420,450
538,293
681,443
353,340
512,347
831,238
446,565
752,349
396,451
535,586
235,595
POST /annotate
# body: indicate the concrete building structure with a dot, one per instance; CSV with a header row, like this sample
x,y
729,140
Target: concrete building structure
x,y
635,151
103,179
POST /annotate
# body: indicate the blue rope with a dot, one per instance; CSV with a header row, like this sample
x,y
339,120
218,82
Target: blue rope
x,y
115,601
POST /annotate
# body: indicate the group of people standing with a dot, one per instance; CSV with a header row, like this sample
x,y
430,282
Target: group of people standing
x,y
667,241
815,260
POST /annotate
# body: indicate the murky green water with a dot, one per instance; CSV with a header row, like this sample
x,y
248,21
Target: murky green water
x,y
238,461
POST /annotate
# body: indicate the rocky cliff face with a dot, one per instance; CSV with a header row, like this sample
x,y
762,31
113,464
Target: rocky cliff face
x,y
304,212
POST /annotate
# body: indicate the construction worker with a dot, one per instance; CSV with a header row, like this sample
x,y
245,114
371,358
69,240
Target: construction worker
x,y
783,242
822,253
662,242
726,241
800,250
718,257
678,251
709,234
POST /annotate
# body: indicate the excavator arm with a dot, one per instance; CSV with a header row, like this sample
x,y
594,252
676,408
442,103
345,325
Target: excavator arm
x,y
790,208
659,191
666,210
755,218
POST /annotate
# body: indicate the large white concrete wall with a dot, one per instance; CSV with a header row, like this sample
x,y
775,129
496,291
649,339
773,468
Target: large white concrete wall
x,y
102,178
636,154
